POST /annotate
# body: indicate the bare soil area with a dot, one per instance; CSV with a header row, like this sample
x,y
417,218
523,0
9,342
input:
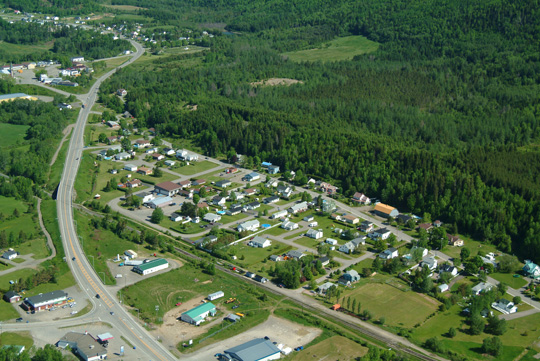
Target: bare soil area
x,y
277,81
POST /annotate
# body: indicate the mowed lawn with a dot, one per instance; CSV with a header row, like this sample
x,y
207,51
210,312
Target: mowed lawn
x,y
196,167
254,255
338,49
404,309
11,134
333,348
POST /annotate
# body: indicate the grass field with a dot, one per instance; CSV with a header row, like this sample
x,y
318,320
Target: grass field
x,y
7,310
473,246
509,279
11,134
189,282
333,348
22,338
404,309
521,333
21,50
196,167
102,245
254,255
338,49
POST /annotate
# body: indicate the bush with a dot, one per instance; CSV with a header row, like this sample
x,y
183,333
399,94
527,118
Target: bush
x,y
435,345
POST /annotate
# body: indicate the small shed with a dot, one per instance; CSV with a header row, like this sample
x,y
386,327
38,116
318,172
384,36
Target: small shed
x,y
443,288
232,317
215,295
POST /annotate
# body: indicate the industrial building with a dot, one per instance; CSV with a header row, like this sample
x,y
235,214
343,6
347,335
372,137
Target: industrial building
x,y
151,266
198,314
83,345
258,349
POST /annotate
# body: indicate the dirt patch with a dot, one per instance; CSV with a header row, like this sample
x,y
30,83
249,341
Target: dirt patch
x,y
277,81
192,107
279,330
206,282
333,348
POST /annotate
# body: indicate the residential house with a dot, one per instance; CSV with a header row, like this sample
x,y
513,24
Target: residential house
x,y
224,183
145,197
203,205
280,214
251,225
271,199
359,241
253,176
134,183
260,279
188,193
331,241
260,242
325,261
273,169
350,219
233,211
309,218
455,241
505,306
298,208
347,248
443,288
145,170
429,262
276,258
389,253
531,270
219,201
380,233
481,287
284,191
9,255
231,170
322,289
385,211
250,191
185,183
158,157
198,314
297,255
314,233
167,188
349,277
289,226
202,242
211,217
250,274
253,205
191,157
141,143
437,223
403,218
199,182
169,163
445,268
122,156
422,252
266,164
335,217
272,183
366,226
425,226
237,195
176,217
121,92
360,198
328,188
11,297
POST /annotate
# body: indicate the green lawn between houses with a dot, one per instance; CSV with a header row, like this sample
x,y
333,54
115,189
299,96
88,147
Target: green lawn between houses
x,y
196,167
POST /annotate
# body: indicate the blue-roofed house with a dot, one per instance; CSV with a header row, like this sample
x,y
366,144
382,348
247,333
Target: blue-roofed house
x,y
531,269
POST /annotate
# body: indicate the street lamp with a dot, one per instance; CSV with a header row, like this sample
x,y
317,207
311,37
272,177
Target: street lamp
x,y
103,273
93,264
138,313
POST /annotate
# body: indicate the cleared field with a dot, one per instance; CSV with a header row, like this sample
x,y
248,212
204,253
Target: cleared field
x,y
404,309
11,134
17,50
248,256
333,348
17,338
336,50
125,7
521,333
196,167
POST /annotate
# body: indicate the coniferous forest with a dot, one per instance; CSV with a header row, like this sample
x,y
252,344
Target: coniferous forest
x,y
442,118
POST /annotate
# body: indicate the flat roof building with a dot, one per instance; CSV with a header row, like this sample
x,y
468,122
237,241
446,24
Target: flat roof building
x,y
258,349
84,345
198,314
151,266
45,300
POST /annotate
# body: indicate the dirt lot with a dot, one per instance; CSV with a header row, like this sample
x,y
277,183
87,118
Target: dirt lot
x,y
279,330
277,81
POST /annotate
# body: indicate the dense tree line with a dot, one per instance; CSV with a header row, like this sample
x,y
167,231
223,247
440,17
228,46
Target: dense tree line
x,y
57,7
47,353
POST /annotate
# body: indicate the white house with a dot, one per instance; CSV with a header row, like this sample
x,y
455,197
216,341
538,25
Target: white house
x,y
279,214
176,217
389,253
505,306
211,217
9,255
252,225
260,242
289,226
481,287
130,167
298,207
331,241
314,233
380,233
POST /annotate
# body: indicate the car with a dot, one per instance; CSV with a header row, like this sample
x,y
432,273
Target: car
x,y
73,312
73,259
112,313
11,282
173,204
98,296
179,303
266,338
20,319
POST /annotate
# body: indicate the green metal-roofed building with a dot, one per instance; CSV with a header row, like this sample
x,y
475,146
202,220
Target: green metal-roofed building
x,y
197,315
150,266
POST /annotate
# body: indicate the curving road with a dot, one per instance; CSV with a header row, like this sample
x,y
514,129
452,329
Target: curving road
x,y
85,276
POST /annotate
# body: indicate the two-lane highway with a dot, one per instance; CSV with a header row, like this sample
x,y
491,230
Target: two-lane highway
x,y
85,276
